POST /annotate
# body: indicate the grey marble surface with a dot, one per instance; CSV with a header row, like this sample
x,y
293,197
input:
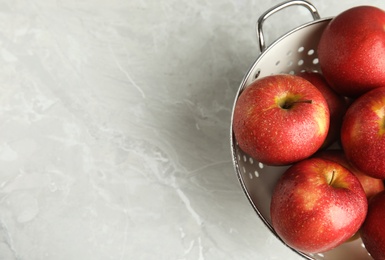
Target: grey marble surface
x,y
114,128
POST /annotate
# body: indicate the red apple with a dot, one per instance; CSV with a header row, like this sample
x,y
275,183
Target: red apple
x,y
280,119
363,133
351,51
373,229
317,205
337,105
371,185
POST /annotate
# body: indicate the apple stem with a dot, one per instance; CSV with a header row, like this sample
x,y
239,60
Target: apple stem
x,y
332,178
288,105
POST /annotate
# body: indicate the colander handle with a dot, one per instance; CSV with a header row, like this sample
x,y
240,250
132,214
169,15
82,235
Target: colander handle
x,y
265,15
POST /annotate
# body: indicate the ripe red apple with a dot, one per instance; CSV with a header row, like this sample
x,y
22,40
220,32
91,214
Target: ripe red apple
x,y
317,205
280,119
373,229
363,133
337,105
371,185
351,51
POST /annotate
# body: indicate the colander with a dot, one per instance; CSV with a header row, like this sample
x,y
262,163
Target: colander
x,y
292,53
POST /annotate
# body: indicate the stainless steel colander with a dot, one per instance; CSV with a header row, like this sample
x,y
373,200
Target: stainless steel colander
x,y
292,53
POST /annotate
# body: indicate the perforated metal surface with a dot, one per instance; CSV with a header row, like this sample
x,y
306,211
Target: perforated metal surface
x,y
292,53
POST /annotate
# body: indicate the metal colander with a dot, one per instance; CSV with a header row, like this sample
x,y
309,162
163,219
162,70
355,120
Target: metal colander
x,y
292,53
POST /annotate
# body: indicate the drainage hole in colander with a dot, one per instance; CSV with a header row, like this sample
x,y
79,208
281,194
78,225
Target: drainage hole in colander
x,y
251,160
314,70
277,63
301,49
289,63
315,61
300,62
250,176
244,158
256,173
260,165
310,52
289,53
